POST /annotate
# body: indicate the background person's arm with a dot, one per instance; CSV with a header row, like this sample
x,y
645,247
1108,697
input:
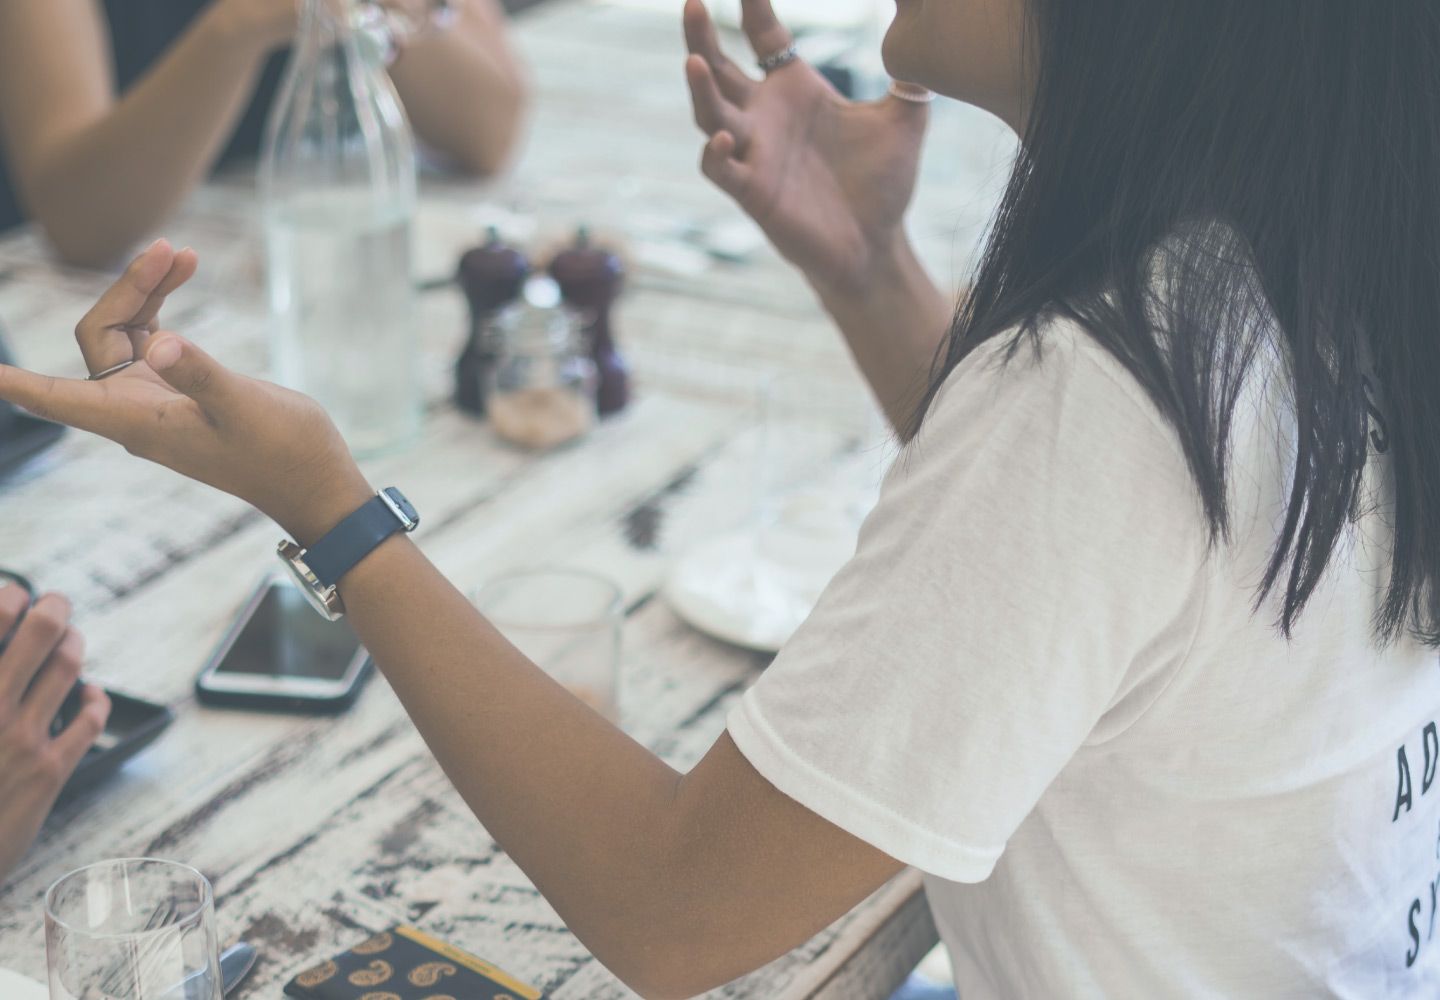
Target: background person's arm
x,y
464,90
99,173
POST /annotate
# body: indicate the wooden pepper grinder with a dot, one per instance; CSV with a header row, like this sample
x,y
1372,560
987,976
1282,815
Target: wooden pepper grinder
x,y
590,278
492,276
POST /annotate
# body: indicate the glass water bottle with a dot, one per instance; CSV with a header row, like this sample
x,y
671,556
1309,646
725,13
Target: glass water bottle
x,y
337,181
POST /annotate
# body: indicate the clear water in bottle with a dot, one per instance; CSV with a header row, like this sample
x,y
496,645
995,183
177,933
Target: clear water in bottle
x,y
337,178
341,296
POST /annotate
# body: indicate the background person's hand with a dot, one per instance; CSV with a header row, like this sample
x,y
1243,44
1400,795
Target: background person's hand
x,y
37,671
827,179
260,24
268,24
274,448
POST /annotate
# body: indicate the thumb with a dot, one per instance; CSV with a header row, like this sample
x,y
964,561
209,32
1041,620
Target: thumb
x,y
191,371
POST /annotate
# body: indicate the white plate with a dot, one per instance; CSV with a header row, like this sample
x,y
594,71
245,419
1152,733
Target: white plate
x,y
14,986
753,588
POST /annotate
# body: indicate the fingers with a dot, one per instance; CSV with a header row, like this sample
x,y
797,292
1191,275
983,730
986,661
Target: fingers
x,y
182,269
701,40
193,372
147,320
54,680
96,331
41,631
713,113
129,407
84,729
718,163
767,35
132,304
87,406
14,602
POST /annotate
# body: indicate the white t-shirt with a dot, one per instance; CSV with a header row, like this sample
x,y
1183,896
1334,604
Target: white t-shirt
x,y
1038,685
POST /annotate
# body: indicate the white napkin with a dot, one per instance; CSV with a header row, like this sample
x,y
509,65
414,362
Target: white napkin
x,y
14,986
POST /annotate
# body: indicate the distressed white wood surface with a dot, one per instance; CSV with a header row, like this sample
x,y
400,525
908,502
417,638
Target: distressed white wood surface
x,y
315,831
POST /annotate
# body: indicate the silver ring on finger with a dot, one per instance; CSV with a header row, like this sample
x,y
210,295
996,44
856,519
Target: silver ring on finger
x,y
781,57
112,370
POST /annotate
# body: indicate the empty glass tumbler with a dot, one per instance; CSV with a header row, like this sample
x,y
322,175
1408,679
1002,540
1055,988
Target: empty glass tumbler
x,y
568,622
135,929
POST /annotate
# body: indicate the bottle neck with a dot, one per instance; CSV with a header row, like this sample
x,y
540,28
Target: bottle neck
x,y
376,31
359,30
320,25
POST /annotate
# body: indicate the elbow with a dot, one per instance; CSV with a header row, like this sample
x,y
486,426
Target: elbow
x,y
76,239
80,249
668,961
495,137
664,980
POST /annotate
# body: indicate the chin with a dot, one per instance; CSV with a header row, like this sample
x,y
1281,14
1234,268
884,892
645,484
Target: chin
x,y
904,47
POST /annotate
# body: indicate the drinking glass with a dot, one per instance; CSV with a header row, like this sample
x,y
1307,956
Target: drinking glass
x,y
132,929
568,622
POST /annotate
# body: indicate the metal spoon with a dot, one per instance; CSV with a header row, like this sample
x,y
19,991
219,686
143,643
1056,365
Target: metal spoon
x,y
236,962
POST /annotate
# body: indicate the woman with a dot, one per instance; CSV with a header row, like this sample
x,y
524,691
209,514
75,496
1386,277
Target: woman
x,y
1136,659
99,158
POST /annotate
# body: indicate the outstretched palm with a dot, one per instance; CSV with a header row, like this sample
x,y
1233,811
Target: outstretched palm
x,y
175,405
827,179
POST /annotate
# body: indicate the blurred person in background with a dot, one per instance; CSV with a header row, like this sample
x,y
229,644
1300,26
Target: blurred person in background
x,y
111,111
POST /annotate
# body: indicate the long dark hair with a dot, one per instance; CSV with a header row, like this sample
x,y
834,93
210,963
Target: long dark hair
x,y
1201,178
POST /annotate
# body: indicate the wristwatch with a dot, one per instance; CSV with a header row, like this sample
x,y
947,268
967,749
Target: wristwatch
x,y
319,569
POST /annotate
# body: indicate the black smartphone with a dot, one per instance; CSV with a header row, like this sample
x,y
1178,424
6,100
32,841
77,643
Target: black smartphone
x,y
281,655
133,724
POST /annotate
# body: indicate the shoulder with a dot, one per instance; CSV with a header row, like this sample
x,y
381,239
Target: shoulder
x,y
1057,389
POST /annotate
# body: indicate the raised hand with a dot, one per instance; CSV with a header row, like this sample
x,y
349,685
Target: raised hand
x,y
179,407
827,179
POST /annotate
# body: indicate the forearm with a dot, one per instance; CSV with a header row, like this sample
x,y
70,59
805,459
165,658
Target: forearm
x,y
894,325
580,807
97,189
464,93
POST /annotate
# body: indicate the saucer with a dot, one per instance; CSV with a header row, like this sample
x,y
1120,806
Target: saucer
x,y
14,986
754,587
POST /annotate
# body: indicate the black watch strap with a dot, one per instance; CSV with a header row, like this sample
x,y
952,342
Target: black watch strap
x,y
359,534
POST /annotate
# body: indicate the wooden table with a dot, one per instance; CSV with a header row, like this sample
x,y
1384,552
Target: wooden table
x,y
316,831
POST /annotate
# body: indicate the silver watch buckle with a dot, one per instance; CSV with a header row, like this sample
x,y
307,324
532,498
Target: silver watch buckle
x,y
325,600
406,523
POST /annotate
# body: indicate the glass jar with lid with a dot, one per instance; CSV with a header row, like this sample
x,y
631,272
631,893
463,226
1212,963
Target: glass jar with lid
x,y
541,388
